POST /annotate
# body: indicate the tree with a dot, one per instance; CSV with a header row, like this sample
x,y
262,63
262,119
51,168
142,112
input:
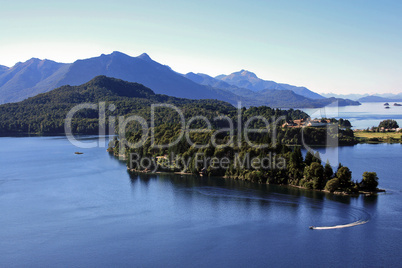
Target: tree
x,y
345,178
332,185
328,172
298,157
309,158
344,123
388,124
339,167
369,181
296,165
315,174
317,157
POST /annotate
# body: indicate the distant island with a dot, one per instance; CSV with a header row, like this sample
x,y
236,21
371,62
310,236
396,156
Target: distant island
x,y
398,98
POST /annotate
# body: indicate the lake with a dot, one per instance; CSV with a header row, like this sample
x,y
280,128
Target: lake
x,y
60,209
363,116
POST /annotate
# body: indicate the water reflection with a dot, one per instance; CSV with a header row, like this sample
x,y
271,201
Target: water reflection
x,y
219,192
370,202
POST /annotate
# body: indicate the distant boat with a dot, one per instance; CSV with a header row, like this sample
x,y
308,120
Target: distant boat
x,y
386,107
386,104
397,104
311,227
78,153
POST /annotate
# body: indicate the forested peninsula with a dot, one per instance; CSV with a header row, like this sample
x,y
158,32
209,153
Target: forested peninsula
x,y
275,164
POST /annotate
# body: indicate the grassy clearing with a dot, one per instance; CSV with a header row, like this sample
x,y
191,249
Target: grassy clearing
x,y
379,136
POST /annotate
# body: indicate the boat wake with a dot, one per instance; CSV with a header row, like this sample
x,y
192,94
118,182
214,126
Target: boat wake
x,y
339,226
359,215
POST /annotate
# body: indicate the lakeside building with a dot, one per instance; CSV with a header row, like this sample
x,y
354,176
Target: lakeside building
x,y
299,123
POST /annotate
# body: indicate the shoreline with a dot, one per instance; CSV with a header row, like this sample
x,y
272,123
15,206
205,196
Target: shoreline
x,y
365,193
358,140
341,193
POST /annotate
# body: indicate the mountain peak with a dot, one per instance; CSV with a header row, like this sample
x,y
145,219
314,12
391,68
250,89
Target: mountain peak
x,y
34,59
145,56
31,62
249,80
246,73
117,53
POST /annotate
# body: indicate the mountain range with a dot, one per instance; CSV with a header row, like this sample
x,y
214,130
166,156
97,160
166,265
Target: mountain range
x,y
386,97
46,112
373,98
37,76
268,92
249,80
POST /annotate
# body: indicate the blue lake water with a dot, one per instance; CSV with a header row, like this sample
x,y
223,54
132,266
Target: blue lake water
x,y
362,116
59,209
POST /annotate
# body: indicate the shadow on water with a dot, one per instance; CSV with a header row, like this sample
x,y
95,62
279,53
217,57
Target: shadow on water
x,y
143,179
123,163
263,193
370,202
190,181
340,198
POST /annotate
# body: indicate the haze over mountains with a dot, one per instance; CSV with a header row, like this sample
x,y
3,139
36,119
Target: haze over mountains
x,y
374,98
244,83
246,79
386,97
36,76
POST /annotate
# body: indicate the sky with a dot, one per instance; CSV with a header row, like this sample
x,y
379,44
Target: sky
x,y
339,46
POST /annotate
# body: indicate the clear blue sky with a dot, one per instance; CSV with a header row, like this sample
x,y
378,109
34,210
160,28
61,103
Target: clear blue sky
x,y
341,46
